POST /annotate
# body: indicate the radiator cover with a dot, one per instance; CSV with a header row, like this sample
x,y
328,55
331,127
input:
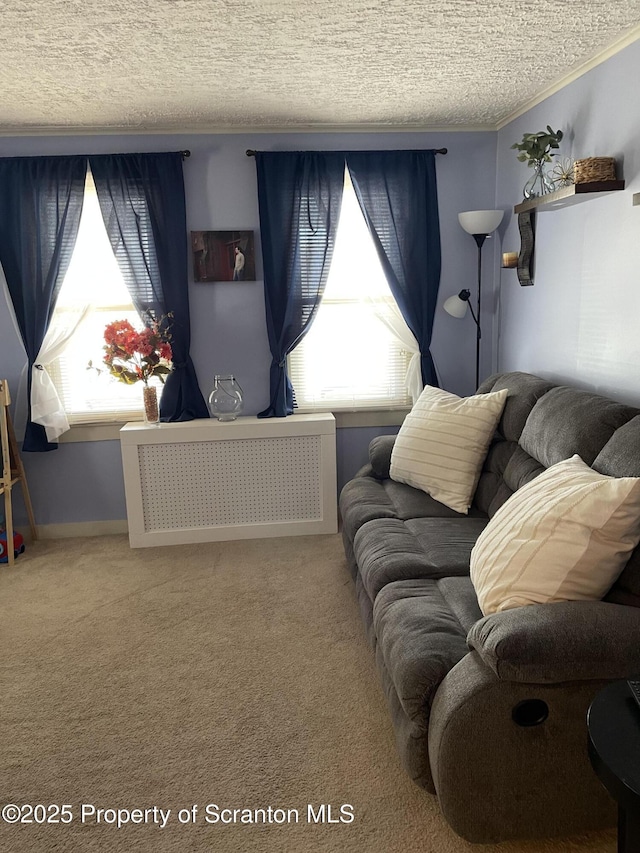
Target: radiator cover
x,y
206,480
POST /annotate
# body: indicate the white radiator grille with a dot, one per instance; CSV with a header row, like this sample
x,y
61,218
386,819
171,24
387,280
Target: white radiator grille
x,y
208,480
211,484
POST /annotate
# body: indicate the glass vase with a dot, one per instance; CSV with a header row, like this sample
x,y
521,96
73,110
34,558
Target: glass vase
x,y
150,403
225,401
538,184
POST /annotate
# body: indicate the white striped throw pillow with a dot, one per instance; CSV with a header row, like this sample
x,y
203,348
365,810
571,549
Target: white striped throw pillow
x,y
443,442
565,536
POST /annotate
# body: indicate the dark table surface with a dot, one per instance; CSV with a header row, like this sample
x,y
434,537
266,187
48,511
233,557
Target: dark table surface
x,y
614,742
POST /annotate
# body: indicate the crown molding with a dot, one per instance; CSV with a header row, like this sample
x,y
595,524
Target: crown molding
x,y
624,41
218,130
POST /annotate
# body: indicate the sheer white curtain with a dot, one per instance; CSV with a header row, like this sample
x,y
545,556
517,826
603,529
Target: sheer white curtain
x,y
46,406
389,314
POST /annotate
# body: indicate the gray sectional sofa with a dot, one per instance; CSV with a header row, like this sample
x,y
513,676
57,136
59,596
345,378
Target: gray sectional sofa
x,y
489,712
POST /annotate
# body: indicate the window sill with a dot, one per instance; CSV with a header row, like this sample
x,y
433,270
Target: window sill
x,y
369,418
92,432
344,420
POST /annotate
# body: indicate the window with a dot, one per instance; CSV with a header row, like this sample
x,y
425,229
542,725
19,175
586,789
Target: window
x,y
93,286
350,359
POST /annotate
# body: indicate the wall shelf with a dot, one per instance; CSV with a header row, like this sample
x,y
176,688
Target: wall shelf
x,y
569,195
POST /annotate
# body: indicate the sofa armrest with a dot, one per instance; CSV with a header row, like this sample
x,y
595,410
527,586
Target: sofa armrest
x,y
565,641
380,449
500,776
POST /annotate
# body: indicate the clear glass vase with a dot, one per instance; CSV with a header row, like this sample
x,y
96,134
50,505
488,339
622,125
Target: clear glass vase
x,y
225,401
538,184
150,403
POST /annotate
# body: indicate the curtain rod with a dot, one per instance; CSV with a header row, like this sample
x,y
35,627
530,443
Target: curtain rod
x,y
186,153
251,153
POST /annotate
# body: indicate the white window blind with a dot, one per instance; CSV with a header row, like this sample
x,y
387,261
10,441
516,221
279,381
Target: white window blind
x,y
350,359
93,280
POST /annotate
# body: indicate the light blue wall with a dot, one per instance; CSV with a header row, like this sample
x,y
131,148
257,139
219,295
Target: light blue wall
x,y
83,482
580,320
578,323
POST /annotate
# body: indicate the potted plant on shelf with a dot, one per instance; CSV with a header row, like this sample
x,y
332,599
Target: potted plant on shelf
x,y
536,149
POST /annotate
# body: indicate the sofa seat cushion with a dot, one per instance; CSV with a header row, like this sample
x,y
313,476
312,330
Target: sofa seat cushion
x,y
366,498
388,549
421,629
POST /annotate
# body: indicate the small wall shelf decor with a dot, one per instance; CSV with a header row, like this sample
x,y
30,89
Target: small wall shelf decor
x,y
509,260
563,197
526,226
591,169
566,196
537,149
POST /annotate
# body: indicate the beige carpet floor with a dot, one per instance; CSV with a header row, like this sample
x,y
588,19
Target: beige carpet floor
x,y
234,674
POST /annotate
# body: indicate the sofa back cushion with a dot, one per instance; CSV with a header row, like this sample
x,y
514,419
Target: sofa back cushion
x,y
543,423
567,421
500,476
620,457
605,434
565,536
524,391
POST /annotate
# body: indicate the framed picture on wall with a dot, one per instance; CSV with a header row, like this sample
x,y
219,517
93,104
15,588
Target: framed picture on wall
x,y
223,256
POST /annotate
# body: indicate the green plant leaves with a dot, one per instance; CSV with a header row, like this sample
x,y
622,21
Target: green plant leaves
x,y
129,377
538,146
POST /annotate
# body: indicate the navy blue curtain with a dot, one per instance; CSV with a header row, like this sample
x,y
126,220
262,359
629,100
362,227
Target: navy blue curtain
x,y
40,205
398,196
299,197
143,206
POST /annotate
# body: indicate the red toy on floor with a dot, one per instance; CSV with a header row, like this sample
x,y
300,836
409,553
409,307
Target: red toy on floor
x,y
18,546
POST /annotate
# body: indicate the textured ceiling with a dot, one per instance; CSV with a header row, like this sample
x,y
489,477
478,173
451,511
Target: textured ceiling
x,y
213,64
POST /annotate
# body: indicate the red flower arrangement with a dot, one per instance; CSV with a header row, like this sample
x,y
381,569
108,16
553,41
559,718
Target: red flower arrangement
x,y
132,356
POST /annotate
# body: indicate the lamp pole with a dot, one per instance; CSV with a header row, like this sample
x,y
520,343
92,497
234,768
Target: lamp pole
x,y
479,238
480,224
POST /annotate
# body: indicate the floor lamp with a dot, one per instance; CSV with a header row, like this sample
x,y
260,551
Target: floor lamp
x,y
478,223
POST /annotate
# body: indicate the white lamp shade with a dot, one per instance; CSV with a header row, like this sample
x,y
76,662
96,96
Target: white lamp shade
x,y
480,221
456,307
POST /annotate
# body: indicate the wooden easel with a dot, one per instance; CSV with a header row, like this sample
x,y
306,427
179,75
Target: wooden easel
x,y
11,470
